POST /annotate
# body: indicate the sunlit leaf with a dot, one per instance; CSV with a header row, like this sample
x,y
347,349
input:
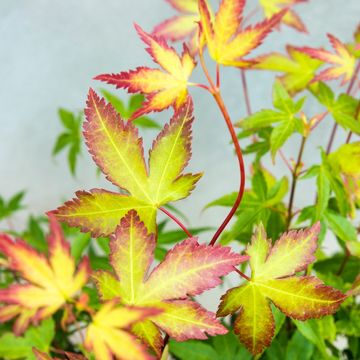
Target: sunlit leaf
x,y
162,88
342,61
187,270
48,282
291,18
226,41
273,279
118,151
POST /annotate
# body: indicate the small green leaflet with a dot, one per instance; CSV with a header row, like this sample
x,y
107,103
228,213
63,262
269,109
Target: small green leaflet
x,y
126,111
343,109
14,204
284,116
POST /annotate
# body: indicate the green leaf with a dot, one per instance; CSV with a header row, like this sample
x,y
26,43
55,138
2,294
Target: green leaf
x,y
259,186
323,193
62,141
13,347
299,348
310,330
79,244
70,139
350,326
67,118
280,135
325,95
174,236
281,98
332,264
261,119
226,200
278,192
327,328
227,346
341,226
146,122
193,350
116,102
8,208
34,234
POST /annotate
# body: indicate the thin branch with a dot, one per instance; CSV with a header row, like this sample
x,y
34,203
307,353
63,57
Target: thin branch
x,y
246,92
242,274
218,98
295,176
217,75
344,262
177,221
286,161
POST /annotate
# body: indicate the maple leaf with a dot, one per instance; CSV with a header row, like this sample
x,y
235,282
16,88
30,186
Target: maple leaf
x,y
226,43
117,149
106,335
187,270
343,62
273,279
272,7
50,283
162,88
299,68
182,26
285,116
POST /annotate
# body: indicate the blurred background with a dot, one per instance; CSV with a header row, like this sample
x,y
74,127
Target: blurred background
x,y
50,51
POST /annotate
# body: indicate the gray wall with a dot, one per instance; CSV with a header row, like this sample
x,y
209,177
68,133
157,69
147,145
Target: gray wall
x,y
49,52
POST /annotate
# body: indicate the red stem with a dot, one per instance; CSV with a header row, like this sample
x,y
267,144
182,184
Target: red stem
x,y
175,219
246,92
217,75
242,274
214,90
286,161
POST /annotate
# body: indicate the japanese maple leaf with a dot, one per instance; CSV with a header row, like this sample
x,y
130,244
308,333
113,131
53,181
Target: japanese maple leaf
x,y
299,68
226,43
106,335
182,26
273,280
118,151
342,61
291,18
162,88
49,282
187,270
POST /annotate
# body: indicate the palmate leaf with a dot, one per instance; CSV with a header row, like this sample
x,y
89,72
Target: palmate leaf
x,y
162,88
273,279
291,18
117,150
342,62
106,335
49,283
299,68
187,270
182,26
70,138
14,204
343,109
284,116
226,43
